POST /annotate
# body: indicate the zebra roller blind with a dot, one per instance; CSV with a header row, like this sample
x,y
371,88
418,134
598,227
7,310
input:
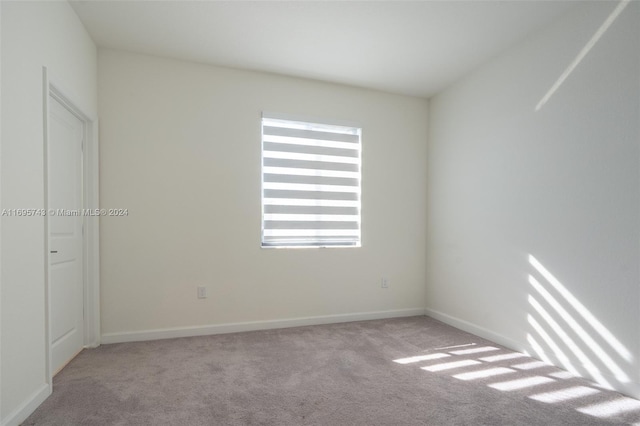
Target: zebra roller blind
x,y
310,184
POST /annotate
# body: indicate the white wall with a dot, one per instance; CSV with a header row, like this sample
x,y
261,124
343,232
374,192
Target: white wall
x,y
1,416
561,184
34,34
180,148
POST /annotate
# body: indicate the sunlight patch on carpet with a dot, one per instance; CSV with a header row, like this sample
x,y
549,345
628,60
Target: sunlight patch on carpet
x,y
611,408
503,357
563,395
481,374
419,358
474,350
518,384
451,365
531,365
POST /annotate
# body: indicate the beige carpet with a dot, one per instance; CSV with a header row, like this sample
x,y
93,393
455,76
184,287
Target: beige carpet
x,y
405,371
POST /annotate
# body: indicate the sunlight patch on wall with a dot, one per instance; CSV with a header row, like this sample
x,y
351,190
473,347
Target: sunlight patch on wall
x,y
573,325
585,50
566,340
570,334
588,317
539,352
555,348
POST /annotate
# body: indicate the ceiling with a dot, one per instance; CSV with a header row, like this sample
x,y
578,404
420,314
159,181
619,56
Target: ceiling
x,y
414,48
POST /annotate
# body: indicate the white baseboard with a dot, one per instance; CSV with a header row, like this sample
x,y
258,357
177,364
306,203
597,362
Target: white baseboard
x,y
171,333
25,409
476,329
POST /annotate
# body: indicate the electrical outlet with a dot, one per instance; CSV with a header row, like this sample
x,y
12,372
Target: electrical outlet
x,y
384,282
202,292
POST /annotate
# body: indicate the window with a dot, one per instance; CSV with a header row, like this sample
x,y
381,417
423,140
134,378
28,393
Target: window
x,y
310,184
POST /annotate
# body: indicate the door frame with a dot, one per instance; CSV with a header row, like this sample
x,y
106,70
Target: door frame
x,y
91,224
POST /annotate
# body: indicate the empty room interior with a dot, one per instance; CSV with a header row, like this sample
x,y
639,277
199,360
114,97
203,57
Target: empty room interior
x,y
320,213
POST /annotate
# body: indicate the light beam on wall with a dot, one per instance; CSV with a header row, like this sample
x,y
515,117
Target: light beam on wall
x,y
585,50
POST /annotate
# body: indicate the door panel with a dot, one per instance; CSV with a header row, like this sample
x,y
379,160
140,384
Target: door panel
x,y
66,291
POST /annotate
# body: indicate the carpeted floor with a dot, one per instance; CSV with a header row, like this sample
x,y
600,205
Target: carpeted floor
x,y
404,371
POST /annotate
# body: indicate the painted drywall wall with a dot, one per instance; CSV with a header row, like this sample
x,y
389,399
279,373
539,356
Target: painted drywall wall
x,y
1,417
0,210
533,206
180,149
34,34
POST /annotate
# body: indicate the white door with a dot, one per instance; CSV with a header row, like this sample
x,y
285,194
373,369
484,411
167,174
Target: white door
x,y
66,289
